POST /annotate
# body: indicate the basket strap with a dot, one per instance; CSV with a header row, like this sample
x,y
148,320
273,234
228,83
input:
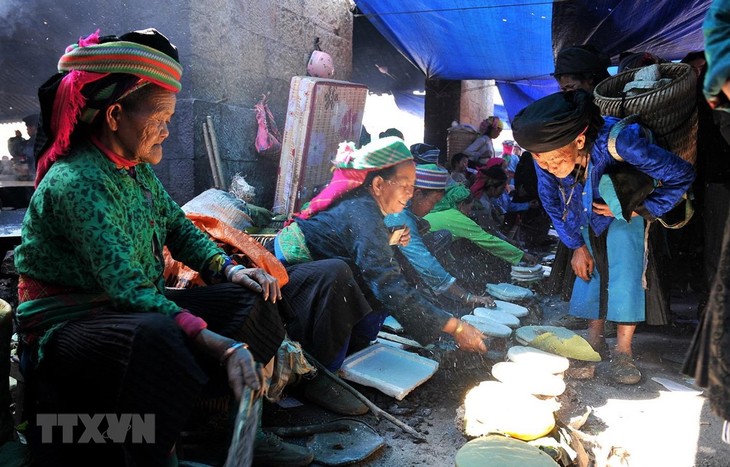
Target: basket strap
x,y
689,211
614,132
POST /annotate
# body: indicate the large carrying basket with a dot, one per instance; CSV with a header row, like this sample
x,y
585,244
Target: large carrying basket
x,y
670,111
458,138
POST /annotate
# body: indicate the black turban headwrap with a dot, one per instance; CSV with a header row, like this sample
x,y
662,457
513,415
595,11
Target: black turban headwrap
x,y
555,120
581,60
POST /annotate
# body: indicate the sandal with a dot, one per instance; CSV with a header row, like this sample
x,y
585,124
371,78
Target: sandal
x,y
623,370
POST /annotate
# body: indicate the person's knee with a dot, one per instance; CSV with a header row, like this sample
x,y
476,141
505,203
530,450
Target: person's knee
x,y
333,269
153,325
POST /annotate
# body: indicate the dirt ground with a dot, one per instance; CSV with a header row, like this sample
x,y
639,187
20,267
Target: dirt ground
x,y
644,425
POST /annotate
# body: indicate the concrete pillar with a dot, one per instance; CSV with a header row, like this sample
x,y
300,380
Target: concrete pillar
x,y
477,101
443,103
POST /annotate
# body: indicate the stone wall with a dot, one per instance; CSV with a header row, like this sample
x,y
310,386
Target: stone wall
x,y
259,45
232,52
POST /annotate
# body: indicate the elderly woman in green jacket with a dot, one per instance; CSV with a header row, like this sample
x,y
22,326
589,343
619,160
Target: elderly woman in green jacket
x,y
99,333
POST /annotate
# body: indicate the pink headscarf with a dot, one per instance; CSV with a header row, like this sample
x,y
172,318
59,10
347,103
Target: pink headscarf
x,y
491,162
352,167
491,123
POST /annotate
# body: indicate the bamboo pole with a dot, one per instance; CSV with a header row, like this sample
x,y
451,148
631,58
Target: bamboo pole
x,y
216,154
211,157
377,411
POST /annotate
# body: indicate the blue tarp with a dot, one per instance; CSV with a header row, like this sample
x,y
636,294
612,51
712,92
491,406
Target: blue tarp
x,y
514,42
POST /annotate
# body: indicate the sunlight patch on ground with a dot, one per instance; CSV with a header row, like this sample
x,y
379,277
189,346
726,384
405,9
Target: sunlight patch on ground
x,y
663,431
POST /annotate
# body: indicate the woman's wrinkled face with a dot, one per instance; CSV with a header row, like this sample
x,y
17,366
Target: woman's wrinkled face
x,y
424,201
393,193
559,162
141,130
570,83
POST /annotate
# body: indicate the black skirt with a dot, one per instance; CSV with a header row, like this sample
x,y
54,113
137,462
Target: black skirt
x,y
326,302
139,363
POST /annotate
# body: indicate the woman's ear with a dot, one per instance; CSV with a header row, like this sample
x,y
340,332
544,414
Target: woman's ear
x,y
112,115
377,184
580,141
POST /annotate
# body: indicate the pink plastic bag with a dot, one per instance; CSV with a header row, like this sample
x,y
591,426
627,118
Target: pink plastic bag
x,y
268,138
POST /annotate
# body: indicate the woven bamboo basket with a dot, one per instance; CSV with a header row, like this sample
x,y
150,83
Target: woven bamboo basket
x,y
457,140
670,111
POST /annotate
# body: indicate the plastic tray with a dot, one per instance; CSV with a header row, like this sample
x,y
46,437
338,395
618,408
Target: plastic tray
x,y
392,371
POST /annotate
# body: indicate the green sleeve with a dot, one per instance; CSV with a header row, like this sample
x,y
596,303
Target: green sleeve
x,y
461,226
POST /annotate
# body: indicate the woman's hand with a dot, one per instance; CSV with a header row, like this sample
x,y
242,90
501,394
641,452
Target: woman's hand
x,y
582,263
529,259
243,370
484,300
602,209
240,365
259,281
405,239
467,336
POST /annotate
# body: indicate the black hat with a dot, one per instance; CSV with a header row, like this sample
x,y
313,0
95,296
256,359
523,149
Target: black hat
x,y
555,120
582,59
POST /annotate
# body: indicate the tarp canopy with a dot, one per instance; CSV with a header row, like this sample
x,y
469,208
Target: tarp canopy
x,y
515,41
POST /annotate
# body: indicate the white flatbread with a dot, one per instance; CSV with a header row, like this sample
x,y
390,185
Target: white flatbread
x,y
511,308
538,359
490,328
508,292
527,270
498,316
525,377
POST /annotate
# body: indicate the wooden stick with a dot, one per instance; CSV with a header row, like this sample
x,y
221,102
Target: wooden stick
x,y
377,411
216,154
299,431
211,157
240,452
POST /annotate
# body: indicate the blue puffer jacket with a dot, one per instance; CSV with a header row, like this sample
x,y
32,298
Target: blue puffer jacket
x,y
675,175
717,48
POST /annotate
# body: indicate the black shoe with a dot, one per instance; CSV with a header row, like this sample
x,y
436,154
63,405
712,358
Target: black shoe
x,y
328,394
571,322
269,449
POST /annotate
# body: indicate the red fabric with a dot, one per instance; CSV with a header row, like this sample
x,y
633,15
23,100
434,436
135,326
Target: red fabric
x,y
493,161
91,39
32,289
190,324
67,107
112,156
268,139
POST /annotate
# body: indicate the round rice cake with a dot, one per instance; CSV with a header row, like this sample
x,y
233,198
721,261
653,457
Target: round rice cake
x,y
538,359
511,308
526,378
508,292
501,451
499,316
488,327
